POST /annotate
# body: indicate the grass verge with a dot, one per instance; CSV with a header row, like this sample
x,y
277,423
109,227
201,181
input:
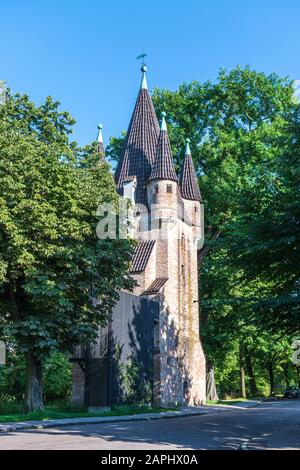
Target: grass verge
x,y
51,413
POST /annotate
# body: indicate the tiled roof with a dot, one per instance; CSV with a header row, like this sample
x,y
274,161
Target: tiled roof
x,y
127,179
188,180
141,255
163,167
140,146
156,285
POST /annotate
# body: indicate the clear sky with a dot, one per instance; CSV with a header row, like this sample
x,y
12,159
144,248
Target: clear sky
x,y
83,53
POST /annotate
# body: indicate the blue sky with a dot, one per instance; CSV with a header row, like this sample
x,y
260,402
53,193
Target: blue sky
x,y
84,52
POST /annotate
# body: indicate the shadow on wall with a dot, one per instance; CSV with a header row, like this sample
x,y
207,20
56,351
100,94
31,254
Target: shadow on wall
x,y
176,381
118,367
139,358
129,352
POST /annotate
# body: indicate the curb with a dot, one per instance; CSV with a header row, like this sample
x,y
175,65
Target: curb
x,y
19,426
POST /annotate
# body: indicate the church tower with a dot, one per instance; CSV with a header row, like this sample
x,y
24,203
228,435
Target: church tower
x,y
167,214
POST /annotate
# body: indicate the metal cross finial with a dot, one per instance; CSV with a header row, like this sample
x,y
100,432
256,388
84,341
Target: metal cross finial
x,y
144,85
142,56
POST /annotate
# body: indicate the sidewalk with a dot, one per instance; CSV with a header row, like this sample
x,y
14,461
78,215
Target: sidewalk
x,y
187,411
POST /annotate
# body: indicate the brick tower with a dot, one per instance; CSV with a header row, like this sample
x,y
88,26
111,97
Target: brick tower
x,y
168,224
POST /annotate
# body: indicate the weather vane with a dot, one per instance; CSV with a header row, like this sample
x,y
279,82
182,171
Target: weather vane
x,y
142,56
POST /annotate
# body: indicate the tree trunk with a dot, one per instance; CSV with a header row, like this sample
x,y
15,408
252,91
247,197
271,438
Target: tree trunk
x,y
211,389
242,375
250,372
271,378
285,368
298,375
33,385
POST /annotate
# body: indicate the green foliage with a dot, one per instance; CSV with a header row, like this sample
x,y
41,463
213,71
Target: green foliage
x,y
136,387
58,281
114,149
12,379
57,378
52,266
271,245
233,125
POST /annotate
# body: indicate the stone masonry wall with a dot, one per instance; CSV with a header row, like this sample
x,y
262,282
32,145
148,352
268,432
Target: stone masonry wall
x,y
182,362
78,385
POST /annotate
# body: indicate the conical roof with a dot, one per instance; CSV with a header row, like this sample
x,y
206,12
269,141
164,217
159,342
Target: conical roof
x,y
163,167
139,150
188,178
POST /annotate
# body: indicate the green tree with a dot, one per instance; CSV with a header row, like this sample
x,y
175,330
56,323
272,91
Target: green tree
x,y
272,351
58,281
265,238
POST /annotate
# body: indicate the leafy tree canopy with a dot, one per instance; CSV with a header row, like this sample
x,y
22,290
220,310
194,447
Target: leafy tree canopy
x,y
58,282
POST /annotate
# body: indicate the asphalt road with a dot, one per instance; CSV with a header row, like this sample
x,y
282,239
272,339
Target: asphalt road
x,y
273,425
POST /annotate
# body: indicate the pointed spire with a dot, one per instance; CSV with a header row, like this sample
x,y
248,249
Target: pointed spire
x,y
100,146
163,124
144,85
163,167
187,147
138,153
100,135
188,178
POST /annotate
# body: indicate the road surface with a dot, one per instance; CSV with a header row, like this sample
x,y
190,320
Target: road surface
x,y
273,425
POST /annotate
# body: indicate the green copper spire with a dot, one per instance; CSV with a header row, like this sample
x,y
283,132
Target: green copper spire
x,y
187,147
144,85
163,124
100,145
99,135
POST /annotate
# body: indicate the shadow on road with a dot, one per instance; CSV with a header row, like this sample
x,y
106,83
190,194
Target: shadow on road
x,y
227,431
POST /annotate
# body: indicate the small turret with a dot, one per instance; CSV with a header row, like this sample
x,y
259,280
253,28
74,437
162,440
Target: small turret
x,y
163,167
190,192
162,188
188,178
